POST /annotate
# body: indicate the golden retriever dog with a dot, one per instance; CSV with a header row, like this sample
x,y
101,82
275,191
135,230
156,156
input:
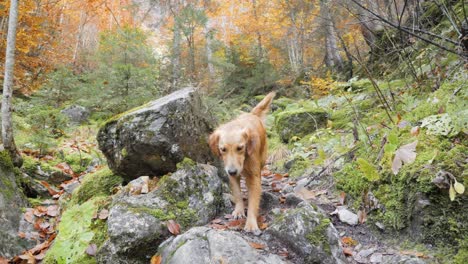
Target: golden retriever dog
x,y
242,145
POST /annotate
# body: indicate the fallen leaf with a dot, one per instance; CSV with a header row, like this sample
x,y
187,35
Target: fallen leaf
x,y
103,214
286,175
347,251
39,247
156,259
452,193
256,245
29,216
263,226
39,256
91,250
415,131
349,241
173,227
459,188
235,224
362,216
413,253
342,198
405,154
53,210
216,221
218,226
277,177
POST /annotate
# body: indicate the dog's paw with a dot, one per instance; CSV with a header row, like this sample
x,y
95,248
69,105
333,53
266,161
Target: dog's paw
x,y
252,227
238,213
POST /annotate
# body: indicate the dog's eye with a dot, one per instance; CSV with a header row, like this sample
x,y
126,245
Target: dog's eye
x,y
223,149
239,148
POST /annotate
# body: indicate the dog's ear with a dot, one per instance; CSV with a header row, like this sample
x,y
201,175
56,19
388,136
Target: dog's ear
x,y
214,141
253,142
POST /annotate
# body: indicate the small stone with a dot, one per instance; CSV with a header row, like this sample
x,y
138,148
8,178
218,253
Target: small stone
x,y
70,187
287,189
292,200
347,216
366,252
276,211
380,226
342,233
376,258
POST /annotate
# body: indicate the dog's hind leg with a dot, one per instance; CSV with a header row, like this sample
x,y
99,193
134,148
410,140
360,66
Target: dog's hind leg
x,y
236,192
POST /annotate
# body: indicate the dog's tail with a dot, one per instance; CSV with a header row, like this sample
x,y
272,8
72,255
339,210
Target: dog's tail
x,y
264,106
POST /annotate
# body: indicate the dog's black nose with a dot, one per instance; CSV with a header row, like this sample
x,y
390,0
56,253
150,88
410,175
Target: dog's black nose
x,y
232,172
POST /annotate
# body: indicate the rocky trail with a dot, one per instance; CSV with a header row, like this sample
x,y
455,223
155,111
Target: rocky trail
x,y
110,215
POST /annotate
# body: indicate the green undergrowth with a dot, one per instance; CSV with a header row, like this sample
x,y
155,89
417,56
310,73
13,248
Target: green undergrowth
x,y
76,231
99,183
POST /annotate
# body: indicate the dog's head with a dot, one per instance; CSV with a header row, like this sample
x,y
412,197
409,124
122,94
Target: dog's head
x,y
234,147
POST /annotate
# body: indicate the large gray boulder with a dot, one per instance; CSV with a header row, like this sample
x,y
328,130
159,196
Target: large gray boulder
x,y
152,139
11,202
202,245
76,114
308,233
137,223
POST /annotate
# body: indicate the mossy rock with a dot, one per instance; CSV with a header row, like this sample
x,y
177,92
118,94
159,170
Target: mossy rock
x,y
190,196
299,122
99,183
12,201
308,233
76,231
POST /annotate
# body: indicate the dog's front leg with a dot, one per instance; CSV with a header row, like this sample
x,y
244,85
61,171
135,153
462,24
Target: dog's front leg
x,y
236,192
254,187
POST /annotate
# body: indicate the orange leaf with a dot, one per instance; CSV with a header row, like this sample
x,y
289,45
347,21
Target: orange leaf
x,y
173,227
256,245
349,241
156,259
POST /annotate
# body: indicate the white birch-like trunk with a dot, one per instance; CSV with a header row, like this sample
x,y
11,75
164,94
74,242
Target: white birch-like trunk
x,y
7,124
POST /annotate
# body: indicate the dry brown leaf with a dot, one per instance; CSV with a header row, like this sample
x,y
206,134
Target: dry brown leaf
x,y
405,154
277,177
156,259
347,251
256,245
263,226
39,256
413,253
415,131
362,215
173,227
216,221
342,198
53,210
29,216
218,226
103,214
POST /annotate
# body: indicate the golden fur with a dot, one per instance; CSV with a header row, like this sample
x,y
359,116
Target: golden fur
x,y
242,145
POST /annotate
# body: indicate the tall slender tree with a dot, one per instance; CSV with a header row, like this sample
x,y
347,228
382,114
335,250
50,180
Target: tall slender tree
x,y
7,124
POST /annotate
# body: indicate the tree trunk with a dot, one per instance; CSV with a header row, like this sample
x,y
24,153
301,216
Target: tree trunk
x,y
332,55
209,51
175,58
7,124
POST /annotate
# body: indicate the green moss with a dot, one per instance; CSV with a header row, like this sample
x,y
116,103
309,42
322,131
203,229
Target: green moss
x,y
299,121
318,237
99,183
186,163
78,162
5,160
299,166
34,202
76,231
